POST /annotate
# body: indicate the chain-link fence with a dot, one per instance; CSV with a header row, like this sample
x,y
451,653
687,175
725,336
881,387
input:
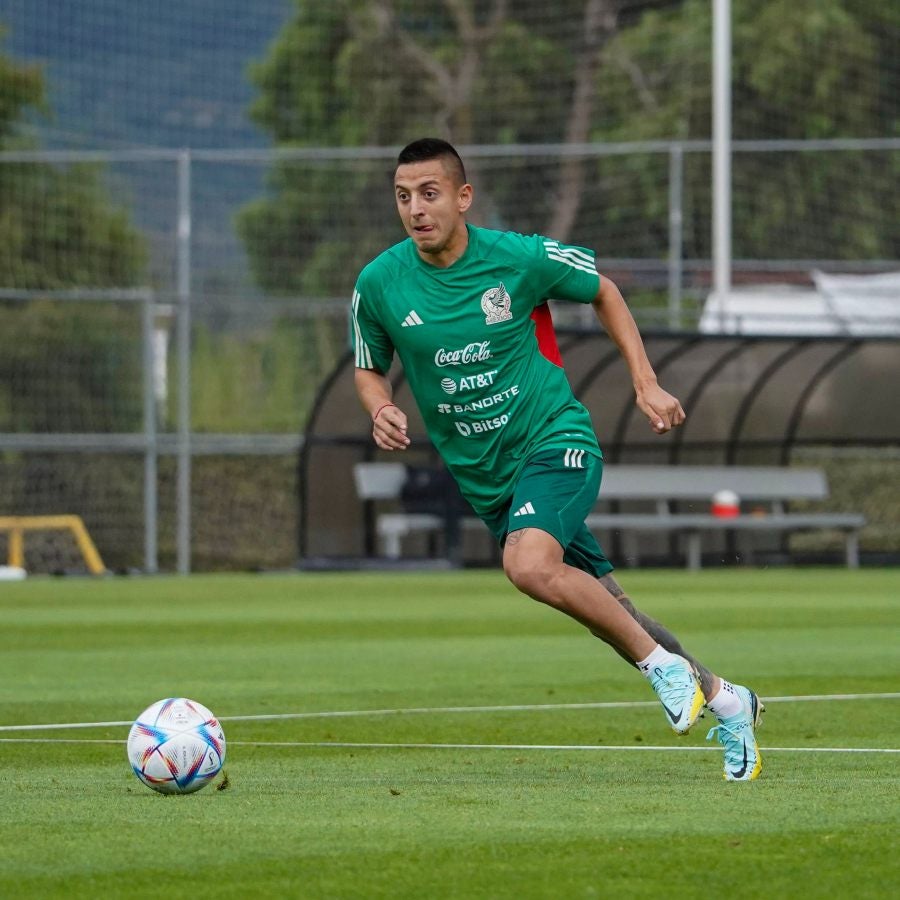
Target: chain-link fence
x,y
169,416
168,315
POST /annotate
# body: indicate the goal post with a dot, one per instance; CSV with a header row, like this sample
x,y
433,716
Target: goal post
x,y
17,526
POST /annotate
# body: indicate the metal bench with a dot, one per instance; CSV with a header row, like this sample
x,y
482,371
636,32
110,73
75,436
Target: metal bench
x,y
767,488
385,481
660,488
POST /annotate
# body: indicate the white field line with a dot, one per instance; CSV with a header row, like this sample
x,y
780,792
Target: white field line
x,y
617,747
316,745
536,707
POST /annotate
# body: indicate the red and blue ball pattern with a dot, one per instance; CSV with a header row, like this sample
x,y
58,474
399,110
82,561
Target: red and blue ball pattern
x,y
176,746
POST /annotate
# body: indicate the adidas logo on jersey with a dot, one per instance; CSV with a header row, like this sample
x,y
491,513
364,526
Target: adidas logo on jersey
x,y
526,510
412,319
574,459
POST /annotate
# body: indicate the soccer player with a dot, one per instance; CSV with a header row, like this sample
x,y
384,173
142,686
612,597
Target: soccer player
x,y
454,302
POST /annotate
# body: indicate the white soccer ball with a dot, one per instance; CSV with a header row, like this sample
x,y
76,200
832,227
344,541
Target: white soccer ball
x,y
176,746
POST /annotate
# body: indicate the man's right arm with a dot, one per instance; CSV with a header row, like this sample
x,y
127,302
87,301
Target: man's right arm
x,y
389,422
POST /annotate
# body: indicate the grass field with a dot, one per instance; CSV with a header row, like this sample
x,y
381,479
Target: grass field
x,y
555,795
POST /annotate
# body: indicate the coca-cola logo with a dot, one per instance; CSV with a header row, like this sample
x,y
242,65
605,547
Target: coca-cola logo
x,y
476,352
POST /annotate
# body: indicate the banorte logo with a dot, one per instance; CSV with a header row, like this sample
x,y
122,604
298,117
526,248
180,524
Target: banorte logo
x,y
475,352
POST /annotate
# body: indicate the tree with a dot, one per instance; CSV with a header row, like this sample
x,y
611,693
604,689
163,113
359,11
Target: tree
x,y
20,88
801,69
58,228
63,366
380,72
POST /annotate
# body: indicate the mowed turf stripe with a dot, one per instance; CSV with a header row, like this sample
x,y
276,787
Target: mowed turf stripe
x,y
533,707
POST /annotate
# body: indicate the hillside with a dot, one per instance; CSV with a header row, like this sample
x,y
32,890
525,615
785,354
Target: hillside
x,y
174,76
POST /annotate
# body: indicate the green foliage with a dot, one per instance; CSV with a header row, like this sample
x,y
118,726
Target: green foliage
x,y
58,230
800,70
346,74
63,367
298,239
357,72
69,367
298,95
788,78
368,79
21,87
268,380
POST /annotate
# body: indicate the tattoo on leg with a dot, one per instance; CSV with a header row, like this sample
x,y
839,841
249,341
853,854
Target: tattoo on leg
x,y
515,536
612,586
658,632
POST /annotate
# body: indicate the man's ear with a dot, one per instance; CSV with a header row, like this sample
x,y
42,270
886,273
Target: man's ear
x,y
464,197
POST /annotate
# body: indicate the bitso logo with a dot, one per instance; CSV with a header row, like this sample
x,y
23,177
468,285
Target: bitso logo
x,y
449,385
496,305
481,426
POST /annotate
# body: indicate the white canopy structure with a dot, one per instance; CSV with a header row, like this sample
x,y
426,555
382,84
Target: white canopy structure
x,y
836,305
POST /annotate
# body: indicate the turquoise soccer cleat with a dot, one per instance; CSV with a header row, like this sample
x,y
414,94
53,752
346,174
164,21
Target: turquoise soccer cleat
x,y
736,734
679,692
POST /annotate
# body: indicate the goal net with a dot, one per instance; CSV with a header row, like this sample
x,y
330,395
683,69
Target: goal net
x,y
49,545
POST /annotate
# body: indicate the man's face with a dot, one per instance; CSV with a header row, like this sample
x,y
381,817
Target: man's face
x,y
431,207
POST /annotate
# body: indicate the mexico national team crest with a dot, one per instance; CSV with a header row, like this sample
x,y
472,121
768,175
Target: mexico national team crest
x,y
496,305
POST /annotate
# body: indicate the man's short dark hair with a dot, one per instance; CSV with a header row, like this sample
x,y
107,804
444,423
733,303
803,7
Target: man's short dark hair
x,y
426,149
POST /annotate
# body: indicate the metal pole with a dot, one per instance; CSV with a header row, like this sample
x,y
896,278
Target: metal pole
x,y
150,451
722,155
183,288
676,237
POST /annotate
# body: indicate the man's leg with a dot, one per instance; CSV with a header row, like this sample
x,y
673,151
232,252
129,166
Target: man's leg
x,y
533,562
709,681
546,513
584,552
737,708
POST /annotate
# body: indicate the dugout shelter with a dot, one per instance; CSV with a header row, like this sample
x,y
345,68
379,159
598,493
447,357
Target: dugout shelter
x,y
751,400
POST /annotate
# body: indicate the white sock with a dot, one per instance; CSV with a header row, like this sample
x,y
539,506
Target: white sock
x,y
659,657
726,702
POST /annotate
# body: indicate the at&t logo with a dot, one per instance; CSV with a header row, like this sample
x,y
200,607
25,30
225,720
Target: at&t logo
x,y
468,382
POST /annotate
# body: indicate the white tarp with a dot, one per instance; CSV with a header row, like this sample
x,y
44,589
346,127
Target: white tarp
x,y
838,304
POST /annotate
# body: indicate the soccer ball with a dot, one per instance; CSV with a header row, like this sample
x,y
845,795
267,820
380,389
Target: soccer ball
x,y
176,746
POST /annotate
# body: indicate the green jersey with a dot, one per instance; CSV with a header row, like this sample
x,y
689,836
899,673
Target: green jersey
x,y
464,333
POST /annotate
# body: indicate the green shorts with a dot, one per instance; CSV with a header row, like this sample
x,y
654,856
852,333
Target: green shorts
x,y
555,493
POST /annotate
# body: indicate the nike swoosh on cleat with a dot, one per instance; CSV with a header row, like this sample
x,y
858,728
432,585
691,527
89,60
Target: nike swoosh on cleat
x,y
743,769
673,716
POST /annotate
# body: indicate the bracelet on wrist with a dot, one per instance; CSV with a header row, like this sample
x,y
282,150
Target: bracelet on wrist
x,y
380,408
